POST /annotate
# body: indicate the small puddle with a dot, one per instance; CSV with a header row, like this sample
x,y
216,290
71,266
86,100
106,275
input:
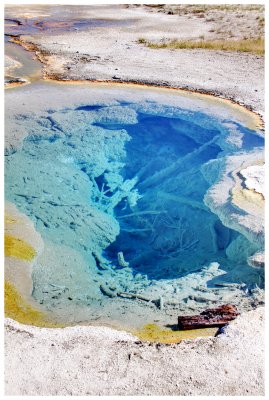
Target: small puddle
x,y
30,69
60,22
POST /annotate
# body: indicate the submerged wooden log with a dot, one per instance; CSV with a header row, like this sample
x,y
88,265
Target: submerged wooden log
x,y
214,317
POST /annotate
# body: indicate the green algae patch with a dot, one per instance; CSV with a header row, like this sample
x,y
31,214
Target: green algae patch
x,y
17,309
155,333
15,247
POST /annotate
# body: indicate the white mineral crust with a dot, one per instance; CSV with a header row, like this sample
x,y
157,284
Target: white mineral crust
x,y
254,178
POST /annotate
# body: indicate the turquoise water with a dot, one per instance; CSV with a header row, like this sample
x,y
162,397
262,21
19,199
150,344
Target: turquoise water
x,y
124,190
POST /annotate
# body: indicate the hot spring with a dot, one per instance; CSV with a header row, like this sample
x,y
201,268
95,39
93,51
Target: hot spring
x,y
132,193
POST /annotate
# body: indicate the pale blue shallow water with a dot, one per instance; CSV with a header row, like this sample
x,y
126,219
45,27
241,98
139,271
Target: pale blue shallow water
x,y
103,184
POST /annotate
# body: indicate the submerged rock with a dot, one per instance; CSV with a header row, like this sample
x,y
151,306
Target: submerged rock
x,y
121,261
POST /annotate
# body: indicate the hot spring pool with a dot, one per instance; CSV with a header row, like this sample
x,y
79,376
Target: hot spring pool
x,y
124,188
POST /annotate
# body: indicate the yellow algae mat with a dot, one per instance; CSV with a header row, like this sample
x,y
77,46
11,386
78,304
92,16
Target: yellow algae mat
x,y
18,248
155,333
15,305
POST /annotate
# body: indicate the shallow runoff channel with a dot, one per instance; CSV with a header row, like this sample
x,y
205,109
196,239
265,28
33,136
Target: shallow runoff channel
x,y
134,191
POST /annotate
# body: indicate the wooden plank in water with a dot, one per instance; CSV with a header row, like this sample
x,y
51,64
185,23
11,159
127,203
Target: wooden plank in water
x,y
214,317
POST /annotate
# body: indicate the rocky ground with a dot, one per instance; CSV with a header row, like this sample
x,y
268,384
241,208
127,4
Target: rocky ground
x,y
100,361
113,52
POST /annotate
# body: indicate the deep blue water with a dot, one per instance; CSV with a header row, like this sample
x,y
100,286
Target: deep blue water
x,y
105,186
